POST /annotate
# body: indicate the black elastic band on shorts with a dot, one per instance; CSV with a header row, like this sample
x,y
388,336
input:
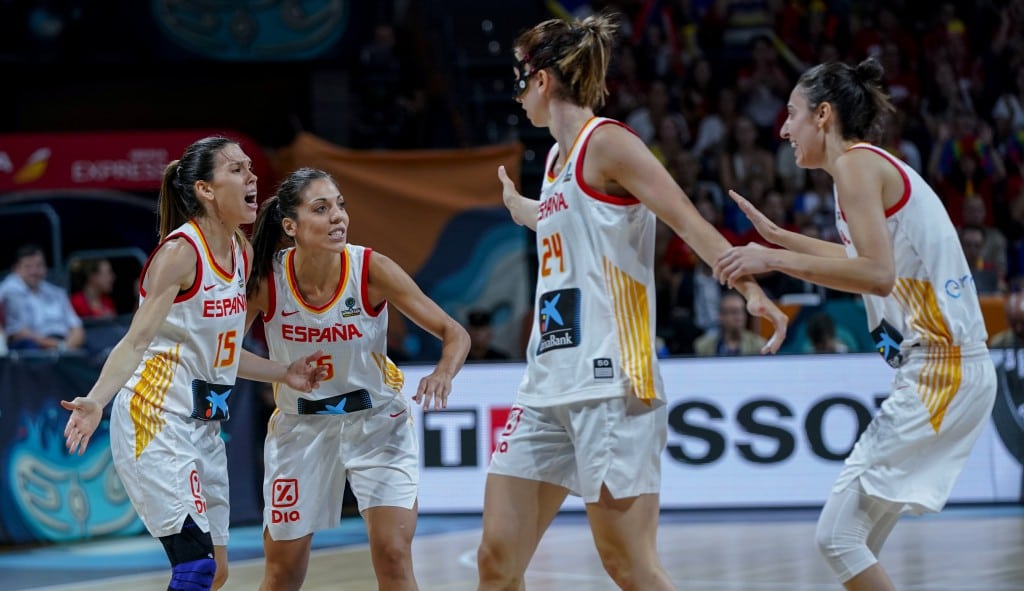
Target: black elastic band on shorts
x,y
341,404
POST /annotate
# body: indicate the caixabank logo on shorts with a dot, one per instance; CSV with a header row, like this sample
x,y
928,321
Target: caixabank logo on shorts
x,y
558,316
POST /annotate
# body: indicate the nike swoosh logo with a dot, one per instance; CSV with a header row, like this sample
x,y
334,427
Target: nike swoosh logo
x,y
209,287
289,312
397,414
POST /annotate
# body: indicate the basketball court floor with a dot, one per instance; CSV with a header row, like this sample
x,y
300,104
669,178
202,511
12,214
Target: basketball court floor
x,y
961,549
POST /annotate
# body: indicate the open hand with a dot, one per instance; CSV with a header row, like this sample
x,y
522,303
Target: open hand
x,y
306,374
433,388
508,188
764,226
85,418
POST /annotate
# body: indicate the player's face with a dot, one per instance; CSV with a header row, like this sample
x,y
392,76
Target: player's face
x,y
234,186
521,70
526,93
322,220
803,132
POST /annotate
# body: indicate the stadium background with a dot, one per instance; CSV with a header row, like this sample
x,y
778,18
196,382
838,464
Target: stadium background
x,y
409,105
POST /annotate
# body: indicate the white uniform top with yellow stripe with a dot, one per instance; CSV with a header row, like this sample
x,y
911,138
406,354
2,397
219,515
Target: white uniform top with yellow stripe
x,y
934,304
594,333
351,332
190,367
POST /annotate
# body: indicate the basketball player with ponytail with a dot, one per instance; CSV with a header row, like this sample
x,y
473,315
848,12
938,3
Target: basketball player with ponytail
x,y
174,370
590,416
902,253
314,290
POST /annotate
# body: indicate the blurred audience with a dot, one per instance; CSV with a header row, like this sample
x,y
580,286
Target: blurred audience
x,y
92,283
994,247
705,85
647,119
956,77
478,324
733,336
822,336
37,314
985,273
1013,336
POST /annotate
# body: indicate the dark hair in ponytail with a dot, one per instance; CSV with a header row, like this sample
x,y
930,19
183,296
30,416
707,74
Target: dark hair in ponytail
x,y
178,202
855,93
268,235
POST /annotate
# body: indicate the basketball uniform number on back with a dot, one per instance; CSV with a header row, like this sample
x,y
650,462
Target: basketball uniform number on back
x,y
552,249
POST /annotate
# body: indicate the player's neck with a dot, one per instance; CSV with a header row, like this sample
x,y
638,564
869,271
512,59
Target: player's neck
x,y
317,272
566,122
218,237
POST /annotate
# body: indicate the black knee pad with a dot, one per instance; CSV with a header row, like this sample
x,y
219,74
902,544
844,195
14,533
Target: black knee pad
x,y
191,544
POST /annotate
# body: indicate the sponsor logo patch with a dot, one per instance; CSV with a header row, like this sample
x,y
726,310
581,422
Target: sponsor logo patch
x,y
558,317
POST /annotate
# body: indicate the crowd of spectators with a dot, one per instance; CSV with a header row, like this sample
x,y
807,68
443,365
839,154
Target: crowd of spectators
x,y
38,315
705,84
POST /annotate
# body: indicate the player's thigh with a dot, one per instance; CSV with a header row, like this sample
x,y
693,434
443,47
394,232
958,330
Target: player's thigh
x,y
519,510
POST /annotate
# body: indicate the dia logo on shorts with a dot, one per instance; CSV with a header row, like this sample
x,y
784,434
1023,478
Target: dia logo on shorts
x,y
285,494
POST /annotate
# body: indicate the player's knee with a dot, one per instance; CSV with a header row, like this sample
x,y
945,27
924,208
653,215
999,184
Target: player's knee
x,y
283,578
494,560
195,575
619,570
393,557
845,552
621,564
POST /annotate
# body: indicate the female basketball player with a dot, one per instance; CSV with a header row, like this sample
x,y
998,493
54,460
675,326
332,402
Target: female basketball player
x,y
324,292
901,252
175,368
590,418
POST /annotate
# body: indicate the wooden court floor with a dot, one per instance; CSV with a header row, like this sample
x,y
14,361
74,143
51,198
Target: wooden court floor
x,y
963,549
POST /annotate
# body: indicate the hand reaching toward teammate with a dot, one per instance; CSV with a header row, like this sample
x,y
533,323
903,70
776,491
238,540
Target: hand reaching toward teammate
x,y
523,210
764,226
742,261
306,374
509,194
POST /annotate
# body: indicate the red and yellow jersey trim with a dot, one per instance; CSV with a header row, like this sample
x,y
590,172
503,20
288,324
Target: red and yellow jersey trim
x,y
293,283
225,275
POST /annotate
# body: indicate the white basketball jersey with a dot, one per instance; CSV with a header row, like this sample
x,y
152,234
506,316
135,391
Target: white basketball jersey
x,y
190,367
934,302
351,332
594,332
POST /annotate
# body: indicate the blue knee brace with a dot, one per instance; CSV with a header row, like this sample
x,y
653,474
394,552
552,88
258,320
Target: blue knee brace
x,y
196,575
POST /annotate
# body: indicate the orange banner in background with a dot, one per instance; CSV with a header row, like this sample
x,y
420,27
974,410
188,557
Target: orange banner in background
x,y
399,201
